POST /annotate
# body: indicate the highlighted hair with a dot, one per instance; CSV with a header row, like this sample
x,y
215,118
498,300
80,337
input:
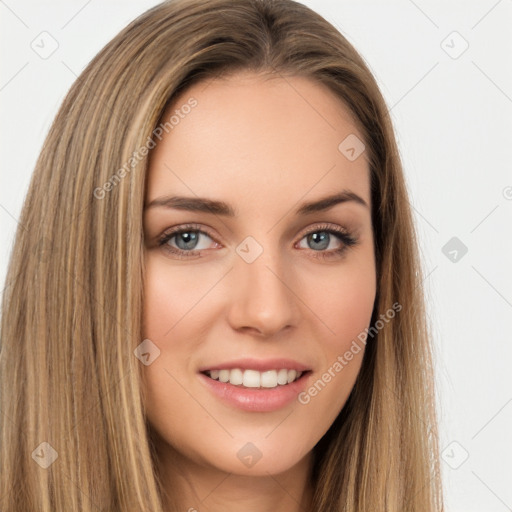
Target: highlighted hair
x,y
73,296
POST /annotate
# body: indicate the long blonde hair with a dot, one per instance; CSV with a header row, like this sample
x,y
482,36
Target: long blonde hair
x,y
70,384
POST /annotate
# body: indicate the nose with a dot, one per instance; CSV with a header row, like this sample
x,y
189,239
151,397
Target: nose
x,y
262,299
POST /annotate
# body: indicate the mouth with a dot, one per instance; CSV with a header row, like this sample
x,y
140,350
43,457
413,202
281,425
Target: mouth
x,y
254,385
254,379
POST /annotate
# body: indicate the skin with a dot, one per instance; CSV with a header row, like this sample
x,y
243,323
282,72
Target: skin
x,y
264,146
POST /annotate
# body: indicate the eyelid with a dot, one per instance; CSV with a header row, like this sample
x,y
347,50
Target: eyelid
x,y
324,226
190,226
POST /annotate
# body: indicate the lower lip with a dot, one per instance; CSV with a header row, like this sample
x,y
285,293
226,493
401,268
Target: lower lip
x,y
256,399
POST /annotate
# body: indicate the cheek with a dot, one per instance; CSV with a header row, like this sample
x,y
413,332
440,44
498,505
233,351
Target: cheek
x,y
171,296
171,322
351,305
343,300
162,305
346,307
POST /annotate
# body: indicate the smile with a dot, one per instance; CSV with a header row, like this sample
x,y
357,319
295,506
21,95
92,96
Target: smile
x,y
256,385
254,378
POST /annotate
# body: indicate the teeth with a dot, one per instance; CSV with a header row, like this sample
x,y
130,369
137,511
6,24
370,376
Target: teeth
x,y
282,377
236,377
269,379
254,378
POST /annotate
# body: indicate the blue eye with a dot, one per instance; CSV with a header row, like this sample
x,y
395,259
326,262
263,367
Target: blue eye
x,y
185,241
319,239
188,240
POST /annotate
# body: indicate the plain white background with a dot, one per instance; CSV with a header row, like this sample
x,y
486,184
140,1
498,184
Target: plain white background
x,y
444,69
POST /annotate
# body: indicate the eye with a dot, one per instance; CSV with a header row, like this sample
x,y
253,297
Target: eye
x,y
324,237
186,241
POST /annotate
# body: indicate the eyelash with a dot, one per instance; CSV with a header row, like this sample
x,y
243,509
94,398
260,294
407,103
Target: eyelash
x,y
343,235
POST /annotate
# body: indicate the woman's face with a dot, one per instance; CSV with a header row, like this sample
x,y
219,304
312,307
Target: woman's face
x,y
247,288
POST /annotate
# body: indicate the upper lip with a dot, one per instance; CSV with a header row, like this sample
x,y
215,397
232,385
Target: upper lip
x,y
261,365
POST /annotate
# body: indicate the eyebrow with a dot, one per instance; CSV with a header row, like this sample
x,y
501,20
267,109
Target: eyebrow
x,y
201,204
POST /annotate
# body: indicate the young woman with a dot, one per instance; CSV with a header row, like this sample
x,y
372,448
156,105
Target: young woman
x,y
214,300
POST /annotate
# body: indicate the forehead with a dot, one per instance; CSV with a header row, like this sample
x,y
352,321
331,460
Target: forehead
x,y
249,138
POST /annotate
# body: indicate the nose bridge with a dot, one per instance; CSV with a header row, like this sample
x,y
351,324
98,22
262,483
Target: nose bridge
x,y
261,297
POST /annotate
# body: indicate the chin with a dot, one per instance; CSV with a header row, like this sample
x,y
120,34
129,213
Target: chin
x,y
255,455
